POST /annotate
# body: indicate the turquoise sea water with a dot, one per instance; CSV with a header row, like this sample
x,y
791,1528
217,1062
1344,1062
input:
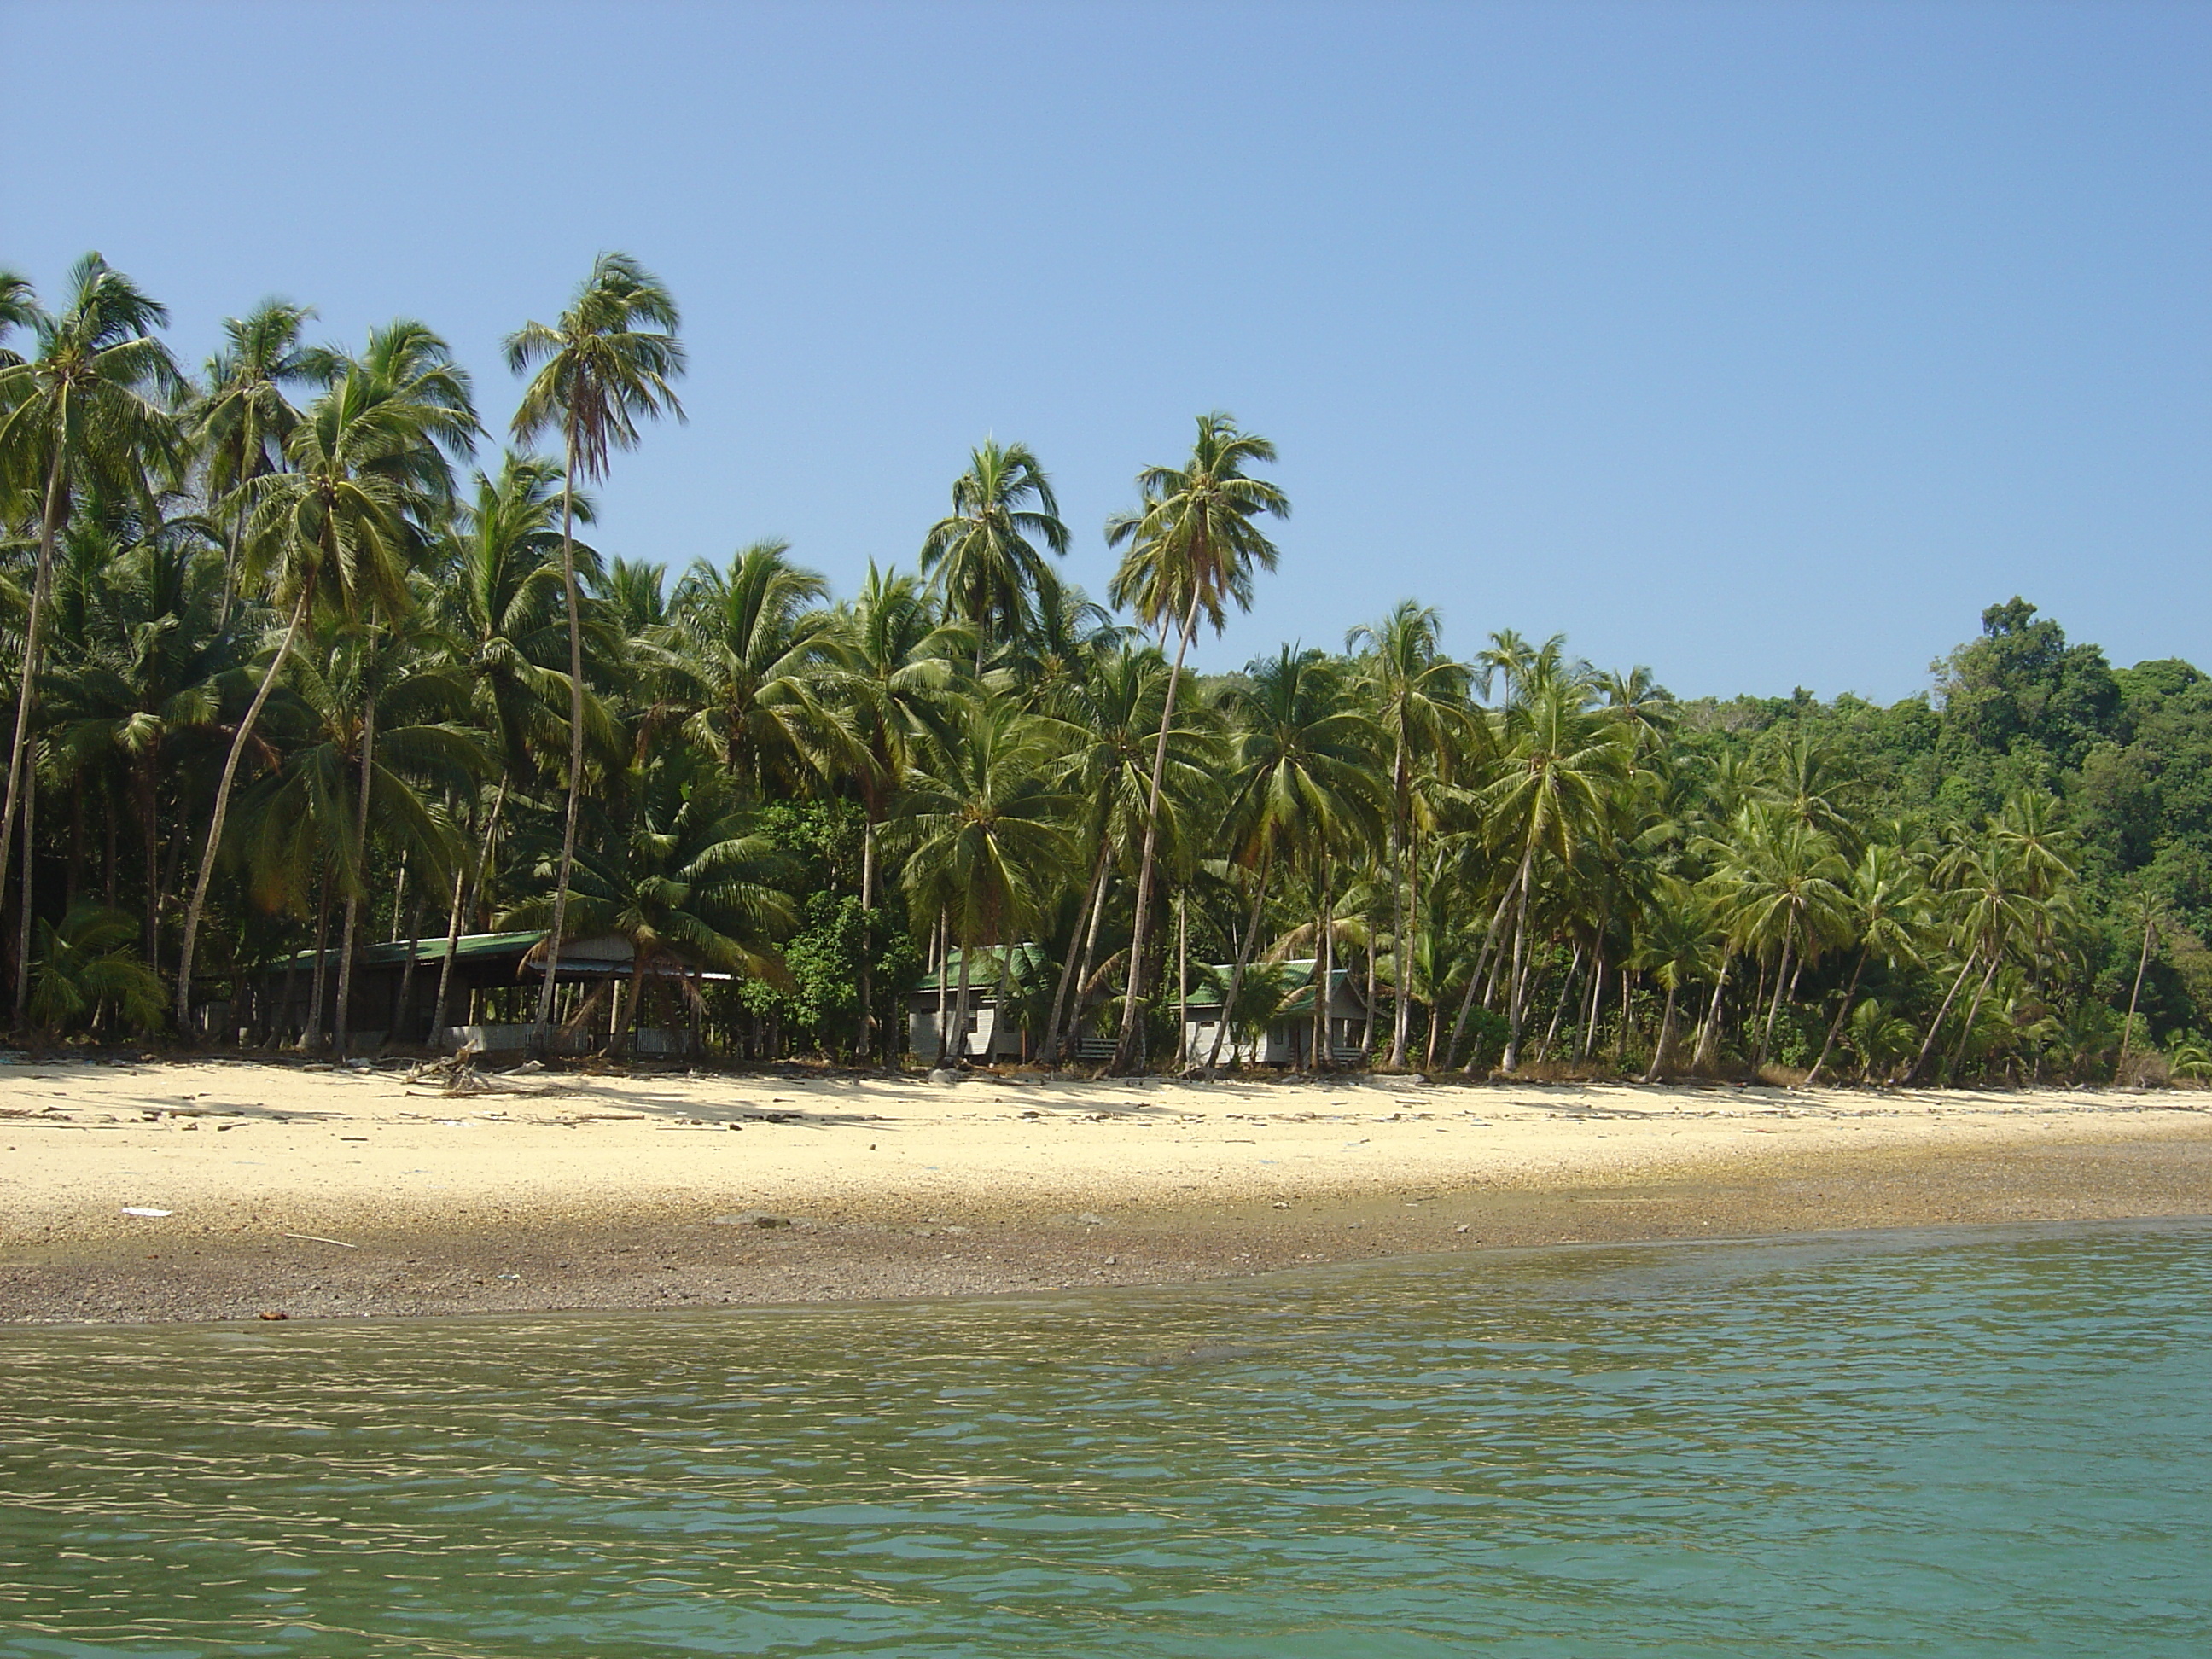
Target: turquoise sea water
x,y
1960,1445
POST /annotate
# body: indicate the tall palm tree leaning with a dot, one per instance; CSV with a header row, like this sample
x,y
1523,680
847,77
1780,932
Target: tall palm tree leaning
x,y
1191,548
609,360
90,405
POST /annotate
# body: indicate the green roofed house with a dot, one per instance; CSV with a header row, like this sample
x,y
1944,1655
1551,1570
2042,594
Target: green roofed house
x,y
1277,1012
1006,1009
488,1005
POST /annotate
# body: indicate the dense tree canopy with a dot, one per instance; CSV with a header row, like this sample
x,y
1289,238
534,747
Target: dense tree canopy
x,y
299,661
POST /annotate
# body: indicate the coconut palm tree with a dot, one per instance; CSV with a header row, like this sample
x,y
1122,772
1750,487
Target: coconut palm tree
x,y
1309,780
1109,720
1190,549
377,718
243,411
1781,884
500,606
672,868
1678,944
1419,700
1550,792
608,362
757,669
985,828
342,524
1888,909
143,673
84,969
981,558
90,408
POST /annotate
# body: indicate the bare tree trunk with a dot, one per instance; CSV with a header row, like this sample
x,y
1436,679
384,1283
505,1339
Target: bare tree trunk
x,y
1973,1009
1558,1008
23,921
1774,1007
1709,1042
1928,1042
1125,1048
1183,980
399,1022
1490,939
313,1036
960,1008
867,977
2142,962
1836,1023
445,967
542,1038
944,1003
239,739
342,1020
1094,899
1516,1000
19,785
1665,1037
1243,961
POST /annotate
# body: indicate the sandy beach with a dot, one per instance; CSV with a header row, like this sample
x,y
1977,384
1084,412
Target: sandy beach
x,y
308,1191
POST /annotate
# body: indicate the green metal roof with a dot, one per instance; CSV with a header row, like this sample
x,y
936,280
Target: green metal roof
x,y
470,947
1297,982
986,967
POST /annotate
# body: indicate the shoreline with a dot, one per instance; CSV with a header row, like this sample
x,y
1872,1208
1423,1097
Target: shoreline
x,y
315,1193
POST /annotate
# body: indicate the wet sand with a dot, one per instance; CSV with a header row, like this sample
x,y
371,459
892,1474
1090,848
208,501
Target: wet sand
x,y
311,1191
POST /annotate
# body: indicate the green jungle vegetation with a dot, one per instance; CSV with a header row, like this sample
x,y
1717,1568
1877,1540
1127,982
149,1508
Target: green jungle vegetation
x,y
301,658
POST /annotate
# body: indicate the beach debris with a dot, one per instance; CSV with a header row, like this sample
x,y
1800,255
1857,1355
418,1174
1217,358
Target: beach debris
x,y
943,1074
140,1209
1463,1228
752,1218
1088,1219
269,1313
1281,1204
317,1238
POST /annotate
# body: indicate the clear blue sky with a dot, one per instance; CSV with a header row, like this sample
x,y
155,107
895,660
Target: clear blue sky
x,y
1762,343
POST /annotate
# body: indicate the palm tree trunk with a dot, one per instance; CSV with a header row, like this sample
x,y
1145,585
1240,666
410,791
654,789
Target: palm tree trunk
x,y
399,1022
2142,962
943,947
1244,960
1973,1009
1774,1007
960,1006
542,1038
868,979
1928,1042
23,921
626,999
1709,1040
1586,1031
239,739
1183,980
342,1020
313,1036
1093,898
1836,1023
445,967
1481,962
1320,987
1665,1037
1558,1008
1399,910
1516,999
49,521
1125,1049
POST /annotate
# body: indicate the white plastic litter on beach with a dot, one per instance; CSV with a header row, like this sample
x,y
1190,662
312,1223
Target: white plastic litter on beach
x,y
133,1209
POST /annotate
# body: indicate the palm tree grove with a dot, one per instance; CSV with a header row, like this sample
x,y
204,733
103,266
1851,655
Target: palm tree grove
x,y
324,697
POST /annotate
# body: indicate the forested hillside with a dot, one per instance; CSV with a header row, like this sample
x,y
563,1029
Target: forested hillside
x,y
306,652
